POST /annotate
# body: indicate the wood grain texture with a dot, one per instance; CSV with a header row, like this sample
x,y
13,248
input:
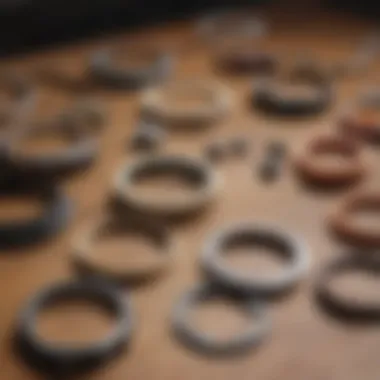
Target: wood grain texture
x,y
305,344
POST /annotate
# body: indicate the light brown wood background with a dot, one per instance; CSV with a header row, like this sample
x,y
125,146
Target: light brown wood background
x,y
305,344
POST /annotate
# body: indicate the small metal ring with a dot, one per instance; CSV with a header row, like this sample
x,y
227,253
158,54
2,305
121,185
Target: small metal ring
x,y
308,167
350,310
356,63
284,243
86,114
197,171
341,220
358,120
205,343
14,115
102,69
217,102
245,24
241,61
52,357
22,91
265,96
81,153
82,248
56,213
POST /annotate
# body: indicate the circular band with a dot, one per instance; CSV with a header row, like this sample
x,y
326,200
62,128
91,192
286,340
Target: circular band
x,y
199,173
343,225
63,358
246,62
360,61
104,70
53,218
23,97
349,309
216,103
362,120
13,114
306,65
293,249
357,63
231,23
269,97
80,153
157,233
205,343
85,114
308,166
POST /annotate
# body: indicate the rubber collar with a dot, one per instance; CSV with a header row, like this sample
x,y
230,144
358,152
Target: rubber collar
x,y
215,101
241,24
115,226
64,359
246,62
80,153
104,70
22,95
55,214
342,222
362,119
286,245
272,97
204,180
87,115
206,343
310,167
350,308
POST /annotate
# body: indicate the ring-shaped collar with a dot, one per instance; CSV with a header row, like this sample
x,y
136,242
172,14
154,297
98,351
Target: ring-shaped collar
x,y
207,344
309,167
51,357
103,69
361,119
55,214
267,96
341,222
291,247
199,172
80,153
349,309
216,103
106,228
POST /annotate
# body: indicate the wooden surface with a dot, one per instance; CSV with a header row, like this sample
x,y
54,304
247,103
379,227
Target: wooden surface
x,y
305,344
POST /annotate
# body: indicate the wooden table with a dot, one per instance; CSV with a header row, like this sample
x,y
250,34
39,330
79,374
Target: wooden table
x,y
305,344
